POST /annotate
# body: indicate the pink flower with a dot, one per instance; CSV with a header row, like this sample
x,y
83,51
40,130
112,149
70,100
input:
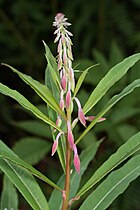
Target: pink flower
x,y
68,98
64,82
70,135
91,118
81,115
55,144
62,105
76,160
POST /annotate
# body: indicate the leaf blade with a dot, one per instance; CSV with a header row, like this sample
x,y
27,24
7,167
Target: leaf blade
x,y
111,77
109,105
7,154
115,184
125,151
26,104
8,200
25,183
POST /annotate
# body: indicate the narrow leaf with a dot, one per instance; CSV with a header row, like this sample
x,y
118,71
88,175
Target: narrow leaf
x,y
81,79
9,198
115,184
32,149
26,104
40,89
125,151
25,183
35,127
109,105
111,77
8,155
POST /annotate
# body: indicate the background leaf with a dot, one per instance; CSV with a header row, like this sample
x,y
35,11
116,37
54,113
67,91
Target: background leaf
x,y
111,77
9,197
125,151
109,105
115,184
8,155
25,183
26,104
40,89
32,149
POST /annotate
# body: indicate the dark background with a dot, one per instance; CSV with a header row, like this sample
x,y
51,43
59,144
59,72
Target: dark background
x,y
105,31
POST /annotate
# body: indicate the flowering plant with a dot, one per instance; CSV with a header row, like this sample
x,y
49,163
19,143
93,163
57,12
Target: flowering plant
x,y
60,94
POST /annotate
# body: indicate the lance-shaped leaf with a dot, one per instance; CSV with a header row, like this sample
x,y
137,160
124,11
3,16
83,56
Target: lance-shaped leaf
x,y
32,149
124,152
9,197
115,184
109,105
81,79
8,155
111,77
25,183
40,89
26,104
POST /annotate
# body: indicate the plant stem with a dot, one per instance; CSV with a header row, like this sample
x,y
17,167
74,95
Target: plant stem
x,y
67,179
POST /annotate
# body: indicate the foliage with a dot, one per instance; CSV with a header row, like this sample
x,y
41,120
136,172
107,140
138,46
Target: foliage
x,y
16,162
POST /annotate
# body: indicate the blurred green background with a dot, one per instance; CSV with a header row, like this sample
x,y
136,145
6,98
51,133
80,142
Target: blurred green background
x,y
105,32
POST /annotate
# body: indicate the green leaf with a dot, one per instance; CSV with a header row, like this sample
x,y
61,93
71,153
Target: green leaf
x,y
81,79
115,184
25,183
32,149
109,105
86,156
111,77
26,104
8,155
125,151
40,89
34,127
9,198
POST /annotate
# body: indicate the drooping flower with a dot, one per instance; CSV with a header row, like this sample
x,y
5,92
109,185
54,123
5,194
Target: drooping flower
x,y
81,115
68,98
55,144
70,136
76,159
91,118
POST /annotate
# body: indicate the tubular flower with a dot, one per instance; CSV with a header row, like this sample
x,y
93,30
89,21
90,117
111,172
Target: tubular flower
x,y
91,118
55,144
76,159
70,136
81,115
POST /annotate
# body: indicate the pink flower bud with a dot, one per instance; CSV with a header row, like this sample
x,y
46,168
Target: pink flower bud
x,y
70,139
62,104
77,163
81,117
58,122
91,118
70,136
64,82
64,194
68,99
54,147
55,144
65,58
